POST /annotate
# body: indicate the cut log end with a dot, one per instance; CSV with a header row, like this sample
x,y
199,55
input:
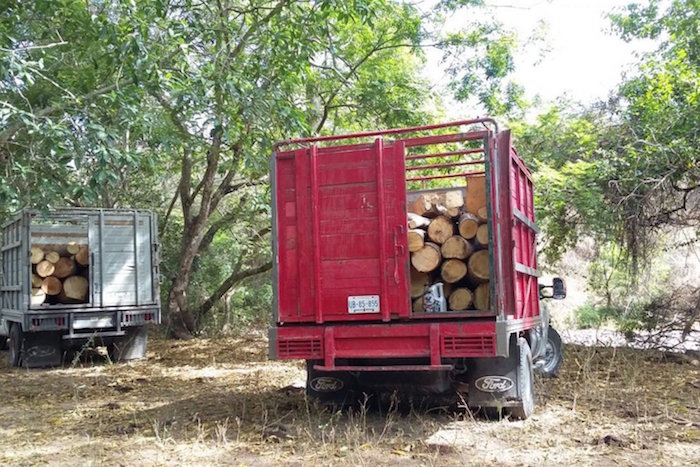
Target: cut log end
x,y
419,282
456,247
51,285
460,299
468,225
453,270
37,255
417,222
440,229
482,214
64,267
482,235
75,288
52,256
416,239
426,259
482,297
45,268
82,256
478,265
72,248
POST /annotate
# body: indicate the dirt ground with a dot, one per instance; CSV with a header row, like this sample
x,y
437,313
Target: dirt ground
x,y
211,402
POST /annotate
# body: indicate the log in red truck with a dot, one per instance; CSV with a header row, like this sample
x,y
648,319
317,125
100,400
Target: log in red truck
x,y
449,316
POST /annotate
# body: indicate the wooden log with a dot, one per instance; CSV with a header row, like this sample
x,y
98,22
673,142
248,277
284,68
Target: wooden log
x,y
75,288
82,257
419,283
418,305
460,299
482,214
423,207
478,266
51,285
37,254
38,296
468,224
448,212
416,239
482,236
453,270
456,247
440,229
448,199
417,222
476,194
52,256
427,258
64,267
482,296
45,268
36,281
72,248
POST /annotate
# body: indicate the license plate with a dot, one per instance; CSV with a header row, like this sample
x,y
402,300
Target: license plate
x,y
93,322
363,304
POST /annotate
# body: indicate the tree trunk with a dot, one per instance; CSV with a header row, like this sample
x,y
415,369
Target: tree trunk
x,y
468,225
456,247
453,270
460,299
440,229
426,259
416,239
478,266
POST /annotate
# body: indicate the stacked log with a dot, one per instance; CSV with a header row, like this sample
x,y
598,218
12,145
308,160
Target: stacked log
x,y
449,243
59,273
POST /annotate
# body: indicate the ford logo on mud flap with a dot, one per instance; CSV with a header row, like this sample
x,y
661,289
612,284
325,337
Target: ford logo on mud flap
x,y
493,383
40,351
326,384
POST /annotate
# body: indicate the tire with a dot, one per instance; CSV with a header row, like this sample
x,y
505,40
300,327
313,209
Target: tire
x,y
550,363
526,383
3,342
131,346
16,345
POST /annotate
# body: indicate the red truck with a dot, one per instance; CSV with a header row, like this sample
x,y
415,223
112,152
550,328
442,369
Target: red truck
x,y
342,275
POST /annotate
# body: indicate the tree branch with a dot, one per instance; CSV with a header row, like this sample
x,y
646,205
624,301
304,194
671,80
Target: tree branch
x,y
236,276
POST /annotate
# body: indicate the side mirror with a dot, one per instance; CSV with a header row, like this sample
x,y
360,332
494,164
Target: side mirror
x,y
558,288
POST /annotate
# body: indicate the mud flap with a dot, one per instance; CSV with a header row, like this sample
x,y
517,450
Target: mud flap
x,y
493,382
42,350
131,346
337,388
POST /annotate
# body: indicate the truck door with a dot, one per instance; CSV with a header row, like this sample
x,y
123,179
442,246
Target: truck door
x,y
340,225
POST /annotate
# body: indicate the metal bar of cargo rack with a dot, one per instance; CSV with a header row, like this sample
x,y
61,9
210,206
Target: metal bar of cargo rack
x,y
446,164
102,263
461,152
435,177
394,131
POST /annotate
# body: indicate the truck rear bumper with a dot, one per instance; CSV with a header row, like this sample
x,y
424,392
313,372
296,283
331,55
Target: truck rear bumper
x,y
429,340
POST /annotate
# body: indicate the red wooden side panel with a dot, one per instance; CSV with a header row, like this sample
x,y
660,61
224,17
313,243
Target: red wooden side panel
x,y
339,235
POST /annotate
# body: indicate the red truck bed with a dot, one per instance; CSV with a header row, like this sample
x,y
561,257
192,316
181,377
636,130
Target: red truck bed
x,y
341,272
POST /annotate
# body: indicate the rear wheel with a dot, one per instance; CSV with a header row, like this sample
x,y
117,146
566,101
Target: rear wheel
x,y
550,363
526,383
16,345
3,342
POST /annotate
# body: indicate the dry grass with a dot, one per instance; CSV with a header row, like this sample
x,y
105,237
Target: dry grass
x,y
221,402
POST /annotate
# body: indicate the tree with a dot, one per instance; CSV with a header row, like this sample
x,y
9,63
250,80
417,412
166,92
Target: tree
x,y
175,106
